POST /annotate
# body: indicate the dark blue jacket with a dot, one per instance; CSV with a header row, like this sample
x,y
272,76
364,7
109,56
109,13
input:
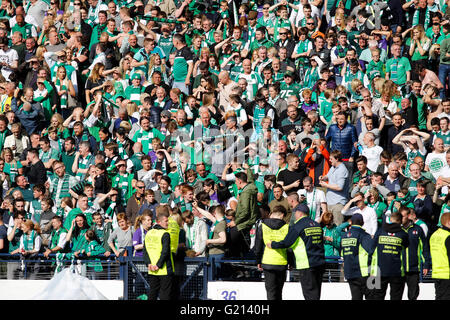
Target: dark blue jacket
x,y
313,246
343,139
29,120
389,243
353,242
417,251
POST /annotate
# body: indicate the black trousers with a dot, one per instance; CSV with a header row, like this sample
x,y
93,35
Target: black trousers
x,y
358,288
274,282
397,285
311,282
442,288
412,281
239,242
160,286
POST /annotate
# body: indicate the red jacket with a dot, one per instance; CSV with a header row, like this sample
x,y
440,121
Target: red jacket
x,y
310,162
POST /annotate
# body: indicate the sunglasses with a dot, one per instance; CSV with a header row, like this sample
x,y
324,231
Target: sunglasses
x,y
281,33
140,187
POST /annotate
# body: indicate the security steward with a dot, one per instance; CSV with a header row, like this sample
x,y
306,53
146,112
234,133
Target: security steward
x,y
305,238
417,252
158,257
387,266
440,256
177,255
272,261
356,249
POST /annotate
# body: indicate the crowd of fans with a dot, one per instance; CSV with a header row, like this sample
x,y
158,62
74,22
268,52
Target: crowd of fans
x,y
216,111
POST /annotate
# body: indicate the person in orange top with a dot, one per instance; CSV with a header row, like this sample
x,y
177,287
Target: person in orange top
x,y
317,160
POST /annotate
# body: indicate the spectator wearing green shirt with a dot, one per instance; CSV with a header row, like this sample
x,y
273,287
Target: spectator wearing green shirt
x,y
398,68
183,65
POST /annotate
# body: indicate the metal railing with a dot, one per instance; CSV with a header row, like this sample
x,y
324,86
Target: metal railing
x,y
39,267
192,275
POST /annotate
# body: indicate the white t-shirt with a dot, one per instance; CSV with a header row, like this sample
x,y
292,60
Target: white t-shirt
x,y
8,56
369,216
436,163
373,157
313,200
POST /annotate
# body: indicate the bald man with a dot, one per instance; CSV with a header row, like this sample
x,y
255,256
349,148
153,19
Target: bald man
x,y
393,180
436,162
206,131
226,86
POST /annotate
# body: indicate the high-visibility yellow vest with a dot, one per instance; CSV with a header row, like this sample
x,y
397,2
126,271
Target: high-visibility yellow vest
x,y
274,256
174,231
153,245
439,254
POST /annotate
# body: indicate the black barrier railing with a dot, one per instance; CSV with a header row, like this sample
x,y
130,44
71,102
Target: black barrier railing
x,y
38,266
192,275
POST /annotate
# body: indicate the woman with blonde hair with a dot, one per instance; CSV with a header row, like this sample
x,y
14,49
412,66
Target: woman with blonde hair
x,y
156,63
57,121
64,88
142,224
47,26
125,68
203,57
339,21
12,167
388,96
419,46
40,53
376,87
132,108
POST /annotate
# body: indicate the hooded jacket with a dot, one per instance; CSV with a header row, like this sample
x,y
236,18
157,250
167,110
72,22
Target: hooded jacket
x,y
418,250
357,247
389,243
274,224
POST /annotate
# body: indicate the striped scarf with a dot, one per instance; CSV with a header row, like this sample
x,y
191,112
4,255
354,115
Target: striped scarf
x,y
394,66
311,77
83,164
417,16
110,211
13,169
55,237
28,240
123,183
101,145
112,166
64,191
185,206
121,150
179,169
61,87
